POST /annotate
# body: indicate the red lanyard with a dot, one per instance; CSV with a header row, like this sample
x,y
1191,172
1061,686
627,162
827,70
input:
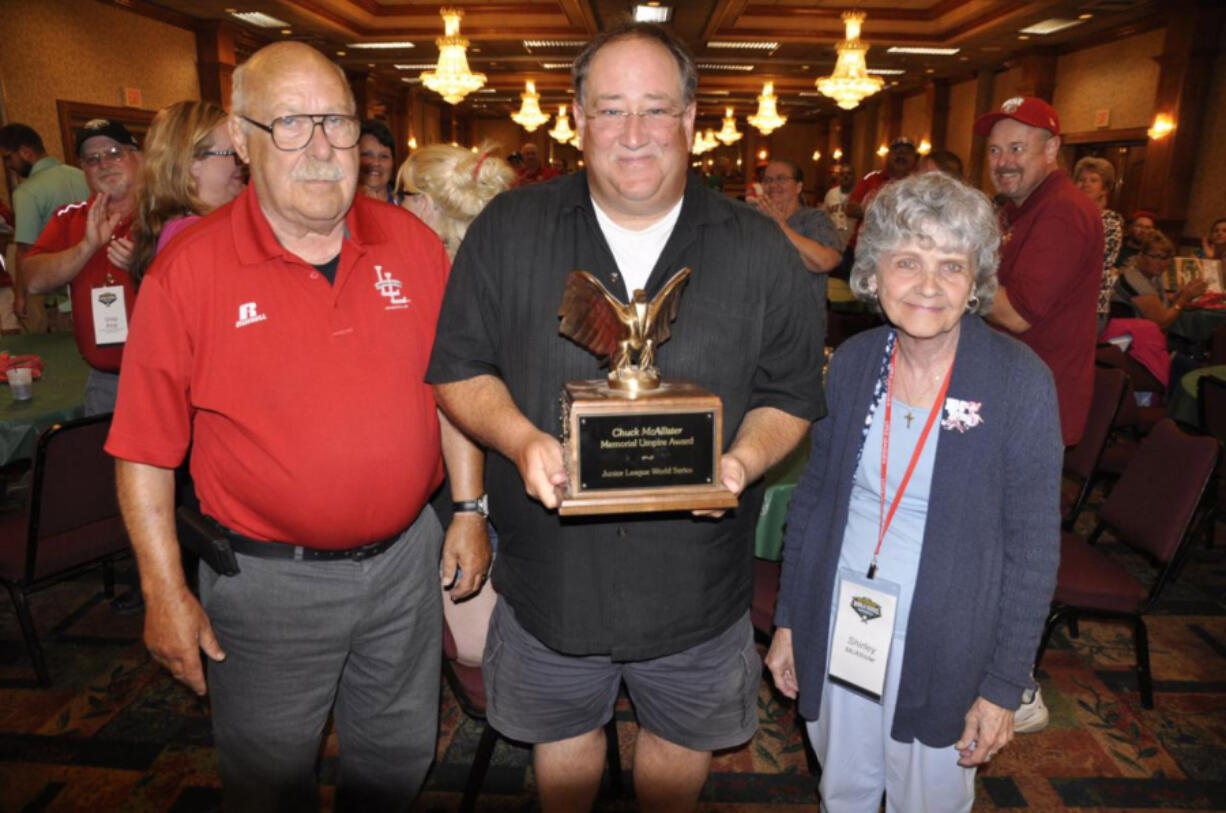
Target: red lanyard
x,y
883,519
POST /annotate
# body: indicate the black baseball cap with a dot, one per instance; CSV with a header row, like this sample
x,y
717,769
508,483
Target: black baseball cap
x,y
105,127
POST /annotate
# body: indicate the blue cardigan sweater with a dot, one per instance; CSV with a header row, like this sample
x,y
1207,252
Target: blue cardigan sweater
x,y
991,542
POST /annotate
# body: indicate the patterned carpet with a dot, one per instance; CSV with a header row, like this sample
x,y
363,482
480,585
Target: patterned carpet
x,y
116,733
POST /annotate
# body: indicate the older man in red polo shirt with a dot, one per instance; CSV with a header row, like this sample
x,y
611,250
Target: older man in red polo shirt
x,y
1051,257
1051,253
285,339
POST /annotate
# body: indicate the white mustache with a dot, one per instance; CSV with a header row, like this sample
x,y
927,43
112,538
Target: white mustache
x,y
311,170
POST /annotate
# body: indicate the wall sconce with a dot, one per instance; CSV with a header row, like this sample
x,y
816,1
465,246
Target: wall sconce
x,y
924,147
762,154
1163,125
883,150
837,154
817,155
412,142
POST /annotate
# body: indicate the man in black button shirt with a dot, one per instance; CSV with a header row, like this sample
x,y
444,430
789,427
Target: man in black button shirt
x,y
659,601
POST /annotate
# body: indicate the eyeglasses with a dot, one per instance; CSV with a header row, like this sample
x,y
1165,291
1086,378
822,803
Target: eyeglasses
x,y
232,154
613,119
293,133
109,157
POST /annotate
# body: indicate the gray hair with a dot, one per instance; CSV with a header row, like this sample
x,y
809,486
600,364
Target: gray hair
x,y
1100,167
634,30
911,209
239,100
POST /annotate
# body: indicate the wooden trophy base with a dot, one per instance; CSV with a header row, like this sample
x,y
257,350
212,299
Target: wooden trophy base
x,y
658,450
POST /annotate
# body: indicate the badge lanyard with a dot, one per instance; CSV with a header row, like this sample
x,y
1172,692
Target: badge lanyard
x,y
884,519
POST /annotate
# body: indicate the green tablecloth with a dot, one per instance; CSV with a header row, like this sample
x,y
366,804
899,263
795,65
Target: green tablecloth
x,y
58,396
780,482
1197,326
1182,404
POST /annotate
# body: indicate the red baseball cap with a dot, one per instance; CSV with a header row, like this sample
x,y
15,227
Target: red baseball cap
x,y
1029,110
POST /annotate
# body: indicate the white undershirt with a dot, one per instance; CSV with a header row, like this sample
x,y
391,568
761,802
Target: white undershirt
x,y
636,251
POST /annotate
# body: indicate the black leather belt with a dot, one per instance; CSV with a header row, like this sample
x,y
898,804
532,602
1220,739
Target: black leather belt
x,y
283,550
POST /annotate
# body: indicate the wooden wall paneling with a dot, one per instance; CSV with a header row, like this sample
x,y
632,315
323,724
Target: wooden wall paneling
x,y
1038,74
976,170
937,95
1192,33
215,60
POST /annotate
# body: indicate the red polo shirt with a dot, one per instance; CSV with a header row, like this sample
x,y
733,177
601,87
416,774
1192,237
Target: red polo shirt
x,y
64,230
868,186
1051,259
305,403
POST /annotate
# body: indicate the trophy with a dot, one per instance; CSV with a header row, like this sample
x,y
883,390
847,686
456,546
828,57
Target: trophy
x,y
635,442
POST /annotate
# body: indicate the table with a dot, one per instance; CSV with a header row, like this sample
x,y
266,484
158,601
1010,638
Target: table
x,y
58,396
1181,406
780,483
1197,325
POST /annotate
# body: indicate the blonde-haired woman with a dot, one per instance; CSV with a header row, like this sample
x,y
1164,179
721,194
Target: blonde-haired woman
x,y
447,187
1095,177
190,169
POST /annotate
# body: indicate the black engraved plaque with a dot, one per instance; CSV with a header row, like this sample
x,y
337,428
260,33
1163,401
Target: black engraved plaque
x,y
646,450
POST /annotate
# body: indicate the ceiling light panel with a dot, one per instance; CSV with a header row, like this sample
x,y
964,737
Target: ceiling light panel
x,y
652,13
380,46
887,71
1051,25
415,66
744,46
724,66
554,43
557,66
906,49
259,18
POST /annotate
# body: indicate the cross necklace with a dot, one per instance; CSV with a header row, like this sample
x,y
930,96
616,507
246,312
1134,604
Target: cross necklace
x,y
908,415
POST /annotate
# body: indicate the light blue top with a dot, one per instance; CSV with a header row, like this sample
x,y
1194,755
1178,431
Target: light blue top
x,y
51,185
899,559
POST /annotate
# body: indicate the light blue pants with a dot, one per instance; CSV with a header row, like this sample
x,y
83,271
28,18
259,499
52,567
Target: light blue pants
x,y
851,739
359,639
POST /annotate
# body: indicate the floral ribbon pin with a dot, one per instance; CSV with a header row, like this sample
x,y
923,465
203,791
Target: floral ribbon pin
x,y
961,415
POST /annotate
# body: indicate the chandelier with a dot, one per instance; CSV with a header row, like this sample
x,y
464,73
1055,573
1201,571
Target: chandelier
x,y
704,142
451,78
767,119
561,131
729,134
529,116
850,82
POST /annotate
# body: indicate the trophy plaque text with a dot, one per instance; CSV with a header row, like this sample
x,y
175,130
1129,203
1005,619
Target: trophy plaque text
x,y
633,442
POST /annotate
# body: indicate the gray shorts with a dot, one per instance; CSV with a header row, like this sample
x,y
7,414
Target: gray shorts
x,y
703,698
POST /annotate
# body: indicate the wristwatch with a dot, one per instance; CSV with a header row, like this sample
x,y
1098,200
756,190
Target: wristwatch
x,y
481,506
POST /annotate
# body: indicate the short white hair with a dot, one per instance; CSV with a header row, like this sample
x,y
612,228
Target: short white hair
x,y
912,209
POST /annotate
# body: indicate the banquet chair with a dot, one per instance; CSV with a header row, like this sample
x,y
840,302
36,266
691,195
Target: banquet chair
x,y
468,686
1153,509
765,595
70,524
1217,346
1211,404
1081,461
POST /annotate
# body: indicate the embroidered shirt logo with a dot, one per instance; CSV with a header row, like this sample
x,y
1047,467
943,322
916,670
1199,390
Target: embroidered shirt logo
x,y
961,415
390,288
249,314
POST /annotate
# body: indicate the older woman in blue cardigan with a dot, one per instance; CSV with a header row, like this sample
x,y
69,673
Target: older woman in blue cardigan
x,y
923,539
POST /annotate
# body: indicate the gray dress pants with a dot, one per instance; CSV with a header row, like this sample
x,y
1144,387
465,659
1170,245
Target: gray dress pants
x,y
359,639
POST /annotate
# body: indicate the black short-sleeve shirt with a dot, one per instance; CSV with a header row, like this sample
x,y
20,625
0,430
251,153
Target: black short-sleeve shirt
x,y
640,586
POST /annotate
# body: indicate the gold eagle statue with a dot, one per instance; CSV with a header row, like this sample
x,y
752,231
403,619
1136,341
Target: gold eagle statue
x,y
596,319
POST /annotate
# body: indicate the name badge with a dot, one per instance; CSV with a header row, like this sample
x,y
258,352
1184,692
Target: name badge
x,y
110,315
863,631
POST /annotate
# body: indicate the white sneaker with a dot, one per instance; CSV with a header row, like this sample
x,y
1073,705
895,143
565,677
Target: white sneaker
x,y
1032,715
